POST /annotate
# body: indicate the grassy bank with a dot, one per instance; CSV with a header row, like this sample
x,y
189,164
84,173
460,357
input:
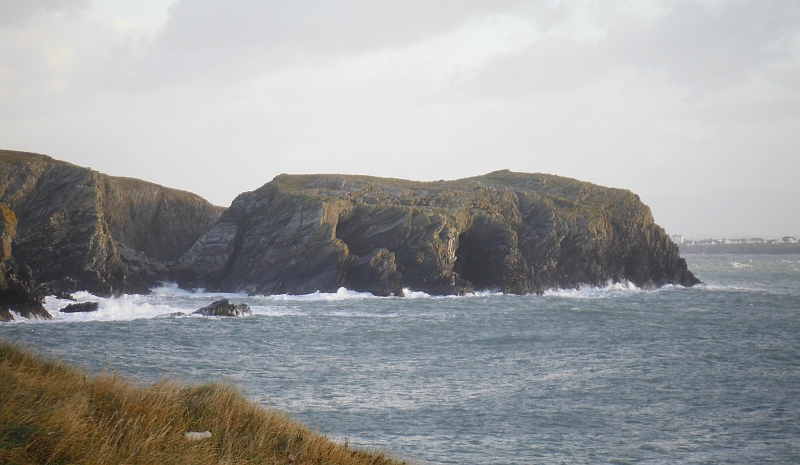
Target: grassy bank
x,y
56,414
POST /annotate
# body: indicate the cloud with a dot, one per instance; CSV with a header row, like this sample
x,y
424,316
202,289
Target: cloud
x,y
219,97
20,12
233,40
699,46
349,25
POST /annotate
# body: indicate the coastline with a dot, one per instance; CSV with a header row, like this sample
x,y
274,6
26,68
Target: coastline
x,y
760,249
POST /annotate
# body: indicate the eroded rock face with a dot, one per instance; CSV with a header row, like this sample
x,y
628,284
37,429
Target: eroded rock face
x,y
224,308
18,290
82,230
518,233
78,229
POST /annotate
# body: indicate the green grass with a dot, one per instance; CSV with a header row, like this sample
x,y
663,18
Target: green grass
x,y
52,413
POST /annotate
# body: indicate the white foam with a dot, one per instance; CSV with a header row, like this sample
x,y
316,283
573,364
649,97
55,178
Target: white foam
x,y
611,289
342,294
409,294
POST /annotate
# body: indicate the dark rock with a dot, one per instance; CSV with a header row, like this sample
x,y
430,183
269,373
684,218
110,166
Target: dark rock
x,y
375,272
518,233
171,315
18,290
82,230
63,295
81,307
224,308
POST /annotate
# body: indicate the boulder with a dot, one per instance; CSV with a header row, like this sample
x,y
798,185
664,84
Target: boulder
x,y
83,307
224,308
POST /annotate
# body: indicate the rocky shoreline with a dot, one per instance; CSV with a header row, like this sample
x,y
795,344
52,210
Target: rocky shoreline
x,y
77,229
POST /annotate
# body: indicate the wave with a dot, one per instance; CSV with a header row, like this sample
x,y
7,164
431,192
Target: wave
x,y
341,294
610,289
169,300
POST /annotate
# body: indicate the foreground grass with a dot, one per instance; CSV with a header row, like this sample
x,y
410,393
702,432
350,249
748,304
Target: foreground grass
x,y
51,413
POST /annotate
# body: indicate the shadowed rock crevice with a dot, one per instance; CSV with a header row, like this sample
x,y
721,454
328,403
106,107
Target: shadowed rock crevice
x,y
489,258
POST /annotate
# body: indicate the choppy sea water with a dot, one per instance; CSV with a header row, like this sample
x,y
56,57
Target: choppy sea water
x,y
615,375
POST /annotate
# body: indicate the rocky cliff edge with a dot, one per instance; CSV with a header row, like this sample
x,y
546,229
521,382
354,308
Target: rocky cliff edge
x,y
78,229
513,232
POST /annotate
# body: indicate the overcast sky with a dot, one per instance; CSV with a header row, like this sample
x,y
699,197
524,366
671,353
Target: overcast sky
x,y
694,105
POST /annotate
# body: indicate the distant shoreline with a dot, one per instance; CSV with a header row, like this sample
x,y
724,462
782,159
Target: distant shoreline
x,y
766,249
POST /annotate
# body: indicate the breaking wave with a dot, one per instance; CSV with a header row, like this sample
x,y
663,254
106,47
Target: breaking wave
x,y
170,301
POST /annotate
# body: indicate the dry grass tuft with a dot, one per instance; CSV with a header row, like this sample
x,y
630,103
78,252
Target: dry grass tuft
x,y
55,414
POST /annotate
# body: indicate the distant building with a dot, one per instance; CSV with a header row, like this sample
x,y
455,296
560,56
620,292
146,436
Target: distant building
x,y
789,240
677,238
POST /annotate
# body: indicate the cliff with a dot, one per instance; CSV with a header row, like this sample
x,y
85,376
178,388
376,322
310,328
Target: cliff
x,y
518,233
18,290
78,229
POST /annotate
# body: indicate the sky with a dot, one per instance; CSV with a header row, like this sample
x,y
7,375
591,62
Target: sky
x,y
692,104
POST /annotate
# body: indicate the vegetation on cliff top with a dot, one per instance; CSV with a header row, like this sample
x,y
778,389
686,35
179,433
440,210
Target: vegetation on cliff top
x,y
53,413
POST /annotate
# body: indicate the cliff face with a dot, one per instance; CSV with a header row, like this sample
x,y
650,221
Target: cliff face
x,y
518,233
18,290
78,229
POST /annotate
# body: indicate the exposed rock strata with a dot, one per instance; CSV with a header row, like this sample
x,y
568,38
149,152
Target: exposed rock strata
x,y
82,230
517,233
18,290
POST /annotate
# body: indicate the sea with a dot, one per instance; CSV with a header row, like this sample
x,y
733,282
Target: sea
x,y
599,375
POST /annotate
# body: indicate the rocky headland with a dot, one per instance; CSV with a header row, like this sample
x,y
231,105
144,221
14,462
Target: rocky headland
x,y
513,232
77,229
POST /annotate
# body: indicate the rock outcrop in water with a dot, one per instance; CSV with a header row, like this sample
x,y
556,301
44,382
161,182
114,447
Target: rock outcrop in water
x,y
83,230
82,307
223,307
517,233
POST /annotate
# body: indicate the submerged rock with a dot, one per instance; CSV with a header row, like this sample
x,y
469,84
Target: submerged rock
x,y
224,308
514,232
171,315
81,307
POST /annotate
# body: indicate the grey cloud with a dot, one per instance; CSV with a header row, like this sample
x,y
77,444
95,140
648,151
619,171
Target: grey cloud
x,y
694,44
711,44
229,40
19,12
352,25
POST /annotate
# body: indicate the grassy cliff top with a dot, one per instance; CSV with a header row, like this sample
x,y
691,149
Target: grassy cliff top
x,y
53,413
342,185
14,157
